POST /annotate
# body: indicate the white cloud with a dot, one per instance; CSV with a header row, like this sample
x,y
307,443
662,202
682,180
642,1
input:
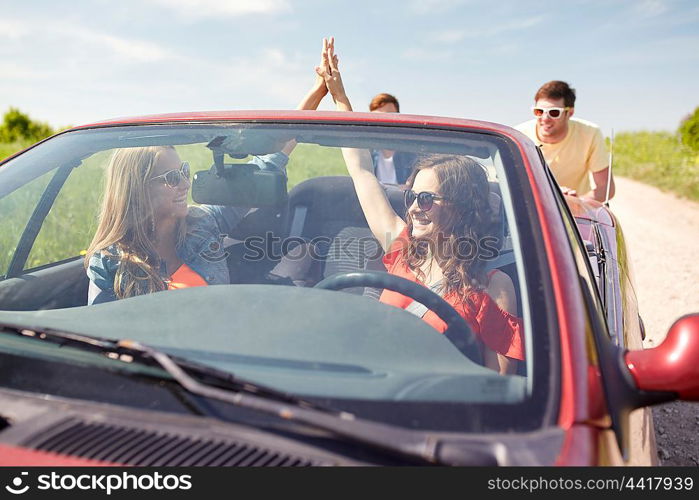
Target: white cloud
x,y
273,72
507,49
455,36
420,54
448,36
14,71
433,6
268,78
46,65
498,29
12,29
651,8
224,8
129,49
47,33
676,52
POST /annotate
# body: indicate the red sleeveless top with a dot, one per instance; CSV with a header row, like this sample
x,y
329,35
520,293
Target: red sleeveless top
x,y
497,329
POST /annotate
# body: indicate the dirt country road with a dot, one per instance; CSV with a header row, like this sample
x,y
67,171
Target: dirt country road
x,y
662,234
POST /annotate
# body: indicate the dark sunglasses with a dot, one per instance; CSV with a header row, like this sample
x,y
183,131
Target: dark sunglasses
x,y
425,199
174,177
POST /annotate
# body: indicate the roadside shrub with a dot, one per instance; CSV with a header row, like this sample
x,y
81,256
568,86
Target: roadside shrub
x,y
689,131
18,127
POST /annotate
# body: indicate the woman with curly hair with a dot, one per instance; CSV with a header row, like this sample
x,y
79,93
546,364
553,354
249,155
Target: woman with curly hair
x,y
447,204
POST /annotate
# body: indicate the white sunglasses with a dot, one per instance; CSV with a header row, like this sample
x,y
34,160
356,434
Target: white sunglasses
x,y
554,113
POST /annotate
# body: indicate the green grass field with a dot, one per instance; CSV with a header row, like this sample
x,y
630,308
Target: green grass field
x,y
7,149
659,159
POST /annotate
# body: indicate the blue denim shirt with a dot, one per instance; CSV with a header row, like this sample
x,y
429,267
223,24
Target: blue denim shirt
x,y
202,249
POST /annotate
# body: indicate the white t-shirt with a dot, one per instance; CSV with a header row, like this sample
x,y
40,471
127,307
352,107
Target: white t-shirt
x,y
386,170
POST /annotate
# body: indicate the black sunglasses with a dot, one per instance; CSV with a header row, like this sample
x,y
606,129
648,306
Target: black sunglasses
x,y
425,199
174,177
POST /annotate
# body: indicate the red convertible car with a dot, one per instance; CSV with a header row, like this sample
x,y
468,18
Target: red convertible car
x,y
289,358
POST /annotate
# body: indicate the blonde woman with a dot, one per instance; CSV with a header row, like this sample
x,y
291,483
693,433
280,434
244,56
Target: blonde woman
x,y
148,239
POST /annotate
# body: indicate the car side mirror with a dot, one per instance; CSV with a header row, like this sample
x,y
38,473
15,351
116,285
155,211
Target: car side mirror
x,y
673,366
635,379
239,185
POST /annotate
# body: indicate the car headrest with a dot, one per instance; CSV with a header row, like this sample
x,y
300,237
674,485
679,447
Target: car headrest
x,y
332,201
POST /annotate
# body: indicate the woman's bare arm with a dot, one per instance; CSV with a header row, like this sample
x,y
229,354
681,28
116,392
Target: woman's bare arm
x,y
502,291
313,97
384,222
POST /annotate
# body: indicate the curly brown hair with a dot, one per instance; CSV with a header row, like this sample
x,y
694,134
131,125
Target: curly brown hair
x,y
468,218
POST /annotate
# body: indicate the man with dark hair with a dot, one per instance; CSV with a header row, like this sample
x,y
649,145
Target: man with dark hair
x,y
573,148
390,167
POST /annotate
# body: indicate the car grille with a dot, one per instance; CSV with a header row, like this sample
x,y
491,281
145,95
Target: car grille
x,y
140,447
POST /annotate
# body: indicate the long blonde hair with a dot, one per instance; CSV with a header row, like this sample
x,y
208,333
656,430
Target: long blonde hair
x,y
127,221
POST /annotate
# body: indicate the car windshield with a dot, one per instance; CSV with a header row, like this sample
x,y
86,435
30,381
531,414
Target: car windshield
x,y
208,241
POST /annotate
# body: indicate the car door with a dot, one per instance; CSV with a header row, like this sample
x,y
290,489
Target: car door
x,y
603,267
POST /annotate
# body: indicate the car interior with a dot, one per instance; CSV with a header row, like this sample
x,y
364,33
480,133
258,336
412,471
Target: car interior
x,y
320,217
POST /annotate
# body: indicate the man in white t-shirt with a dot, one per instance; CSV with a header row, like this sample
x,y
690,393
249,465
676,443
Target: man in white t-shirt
x,y
390,167
573,148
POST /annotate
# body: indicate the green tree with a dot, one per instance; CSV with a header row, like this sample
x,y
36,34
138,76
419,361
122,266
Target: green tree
x,y
17,126
689,131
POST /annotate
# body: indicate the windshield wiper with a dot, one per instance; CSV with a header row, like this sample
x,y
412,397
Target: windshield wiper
x,y
129,351
412,444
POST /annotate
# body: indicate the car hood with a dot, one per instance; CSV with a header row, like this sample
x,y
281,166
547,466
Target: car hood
x,y
296,339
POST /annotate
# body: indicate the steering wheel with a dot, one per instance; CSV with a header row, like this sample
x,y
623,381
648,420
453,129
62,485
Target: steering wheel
x,y
458,331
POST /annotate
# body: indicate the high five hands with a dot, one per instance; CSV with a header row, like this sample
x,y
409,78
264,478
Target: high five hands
x,y
329,73
328,79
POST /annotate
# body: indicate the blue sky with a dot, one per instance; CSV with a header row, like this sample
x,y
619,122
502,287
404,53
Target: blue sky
x,y
634,63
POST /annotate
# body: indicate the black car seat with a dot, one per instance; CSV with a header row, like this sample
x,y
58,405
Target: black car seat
x,y
325,213
505,258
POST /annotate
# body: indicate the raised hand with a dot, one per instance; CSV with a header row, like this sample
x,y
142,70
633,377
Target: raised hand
x,y
319,90
323,68
329,71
